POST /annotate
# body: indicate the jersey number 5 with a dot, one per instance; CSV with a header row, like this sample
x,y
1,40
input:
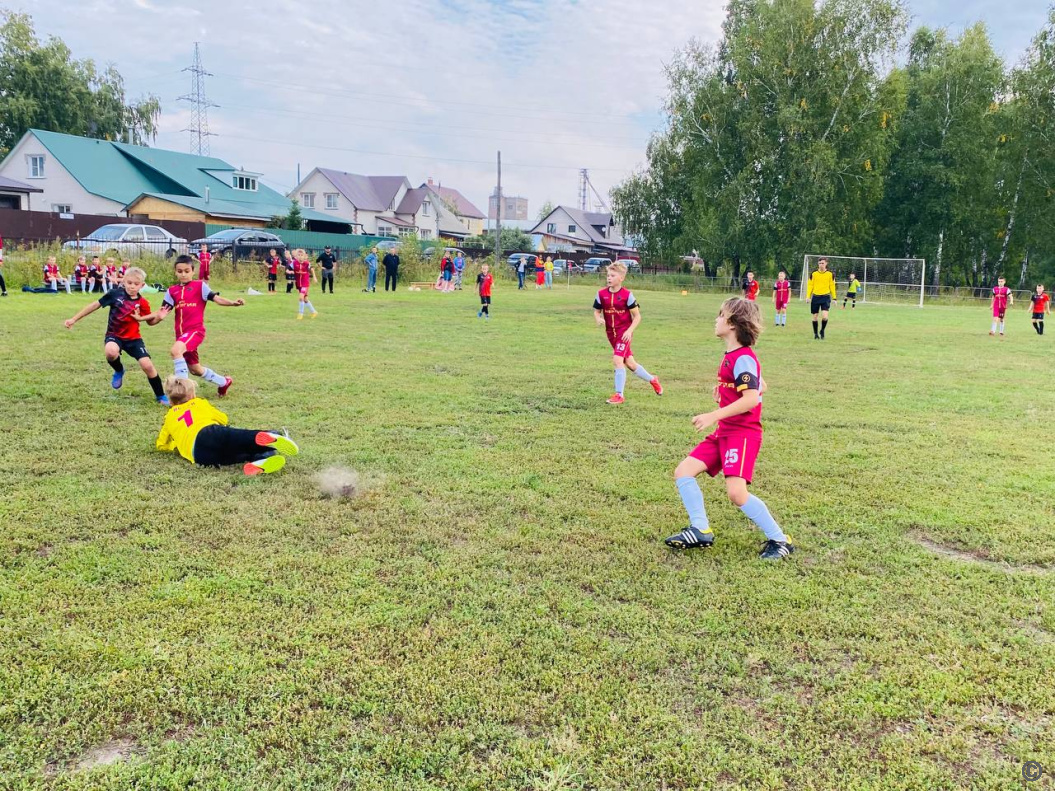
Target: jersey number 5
x,y
186,418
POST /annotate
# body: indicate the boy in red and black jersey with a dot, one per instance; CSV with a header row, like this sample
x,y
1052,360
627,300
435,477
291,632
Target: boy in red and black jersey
x,y
1001,297
122,330
1041,307
616,309
734,446
484,281
273,263
80,273
751,287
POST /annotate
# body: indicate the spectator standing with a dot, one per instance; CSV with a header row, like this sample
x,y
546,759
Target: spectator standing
x,y
540,272
328,261
549,271
521,268
459,270
391,263
3,284
371,271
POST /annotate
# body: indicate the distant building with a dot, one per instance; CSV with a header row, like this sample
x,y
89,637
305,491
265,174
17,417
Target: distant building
x,y
514,207
566,228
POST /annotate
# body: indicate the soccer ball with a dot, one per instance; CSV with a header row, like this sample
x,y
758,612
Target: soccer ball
x,y
338,483
684,293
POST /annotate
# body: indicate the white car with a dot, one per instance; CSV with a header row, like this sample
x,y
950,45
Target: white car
x,y
631,264
127,240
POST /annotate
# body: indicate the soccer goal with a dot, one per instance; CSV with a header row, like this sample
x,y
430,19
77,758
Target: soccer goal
x,y
892,280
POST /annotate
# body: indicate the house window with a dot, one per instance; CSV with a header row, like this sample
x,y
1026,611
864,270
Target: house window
x,y
426,233
61,208
331,200
406,231
35,163
384,230
572,229
307,200
246,183
426,209
551,227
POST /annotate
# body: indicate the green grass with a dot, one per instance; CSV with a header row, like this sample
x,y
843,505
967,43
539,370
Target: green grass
x,y
497,610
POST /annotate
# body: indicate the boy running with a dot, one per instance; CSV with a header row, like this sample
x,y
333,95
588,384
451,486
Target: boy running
x,y
734,446
188,299
751,287
484,281
781,297
198,431
616,309
1041,306
820,290
851,292
304,273
1002,296
122,330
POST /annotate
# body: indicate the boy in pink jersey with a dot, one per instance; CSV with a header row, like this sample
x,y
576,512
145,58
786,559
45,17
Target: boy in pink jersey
x,y
616,309
1002,296
188,299
781,297
204,262
733,448
303,273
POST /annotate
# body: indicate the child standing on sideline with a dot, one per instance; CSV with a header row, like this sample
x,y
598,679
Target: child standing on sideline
x,y
188,299
122,330
1041,307
781,297
484,281
273,263
751,287
616,309
1002,296
549,271
851,291
291,278
540,272
198,431
459,270
734,446
204,263
304,273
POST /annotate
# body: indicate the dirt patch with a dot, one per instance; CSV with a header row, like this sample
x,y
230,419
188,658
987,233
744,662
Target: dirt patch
x,y
978,559
111,752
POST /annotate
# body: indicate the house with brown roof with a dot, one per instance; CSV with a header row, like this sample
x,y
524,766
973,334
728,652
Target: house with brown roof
x,y
566,228
461,207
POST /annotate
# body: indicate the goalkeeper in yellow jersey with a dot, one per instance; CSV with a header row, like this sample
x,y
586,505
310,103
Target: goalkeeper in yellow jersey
x,y
820,289
198,431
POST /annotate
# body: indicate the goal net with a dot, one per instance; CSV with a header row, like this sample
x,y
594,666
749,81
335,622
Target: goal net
x,y
897,280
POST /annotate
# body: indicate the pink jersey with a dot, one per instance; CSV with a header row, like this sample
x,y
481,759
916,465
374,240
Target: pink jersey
x,y
1000,294
188,300
739,371
616,308
51,270
782,292
302,273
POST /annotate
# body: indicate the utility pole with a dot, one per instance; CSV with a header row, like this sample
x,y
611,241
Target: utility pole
x,y
199,128
498,213
584,195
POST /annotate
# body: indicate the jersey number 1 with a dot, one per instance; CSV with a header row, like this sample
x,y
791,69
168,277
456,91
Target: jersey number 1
x,y
186,418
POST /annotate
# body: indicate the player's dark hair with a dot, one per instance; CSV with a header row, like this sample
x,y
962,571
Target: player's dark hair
x,y
182,259
745,319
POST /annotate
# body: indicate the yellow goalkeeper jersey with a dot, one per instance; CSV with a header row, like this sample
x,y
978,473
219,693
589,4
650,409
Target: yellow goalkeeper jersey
x,y
182,424
821,284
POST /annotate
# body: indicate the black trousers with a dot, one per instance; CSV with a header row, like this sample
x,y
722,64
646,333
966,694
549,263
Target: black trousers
x,y
3,285
391,275
327,277
289,284
217,445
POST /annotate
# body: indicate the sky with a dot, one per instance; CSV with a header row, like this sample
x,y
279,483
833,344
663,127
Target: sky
x,y
429,88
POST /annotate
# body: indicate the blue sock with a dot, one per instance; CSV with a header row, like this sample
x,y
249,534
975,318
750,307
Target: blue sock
x,y
692,498
642,373
755,510
301,307
620,380
310,306
180,367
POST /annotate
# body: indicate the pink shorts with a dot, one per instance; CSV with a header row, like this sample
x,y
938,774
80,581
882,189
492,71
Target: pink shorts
x,y
733,455
998,313
620,348
304,291
192,340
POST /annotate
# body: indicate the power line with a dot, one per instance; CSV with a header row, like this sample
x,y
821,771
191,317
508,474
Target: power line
x,y
199,127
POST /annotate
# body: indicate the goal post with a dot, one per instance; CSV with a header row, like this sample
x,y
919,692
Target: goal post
x,y
898,281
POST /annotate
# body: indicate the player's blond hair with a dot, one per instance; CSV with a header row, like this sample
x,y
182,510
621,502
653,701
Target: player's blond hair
x,y
136,272
618,267
743,316
180,390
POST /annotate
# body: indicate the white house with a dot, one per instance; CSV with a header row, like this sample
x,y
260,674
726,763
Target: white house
x,y
15,194
574,229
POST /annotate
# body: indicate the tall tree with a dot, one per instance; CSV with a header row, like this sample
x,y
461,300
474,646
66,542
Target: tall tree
x,y
42,86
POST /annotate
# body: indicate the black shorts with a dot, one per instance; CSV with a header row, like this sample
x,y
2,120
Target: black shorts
x,y
1038,317
135,348
851,295
272,277
485,300
817,304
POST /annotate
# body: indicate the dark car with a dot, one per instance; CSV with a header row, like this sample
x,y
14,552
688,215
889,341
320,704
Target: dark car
x,y
241,243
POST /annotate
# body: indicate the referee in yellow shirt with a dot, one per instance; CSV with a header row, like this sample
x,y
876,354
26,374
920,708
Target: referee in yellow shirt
x,y
821,289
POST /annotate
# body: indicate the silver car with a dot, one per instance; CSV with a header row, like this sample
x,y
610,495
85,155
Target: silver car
x,y
127,240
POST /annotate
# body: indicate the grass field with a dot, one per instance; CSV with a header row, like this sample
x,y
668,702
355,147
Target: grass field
x,y
497,609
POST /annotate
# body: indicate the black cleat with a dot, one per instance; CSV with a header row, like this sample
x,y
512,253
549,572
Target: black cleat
x,y
691,538
776,550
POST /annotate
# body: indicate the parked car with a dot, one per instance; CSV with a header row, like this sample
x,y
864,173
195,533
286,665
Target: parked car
x,y
128,240
239,243
595,264
387,246
529,261
631,264
559,266
453,252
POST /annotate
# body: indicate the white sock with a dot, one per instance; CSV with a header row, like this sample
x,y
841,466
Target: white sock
x,y
310,307
641,373
181,369
211,376
993,329
1001,328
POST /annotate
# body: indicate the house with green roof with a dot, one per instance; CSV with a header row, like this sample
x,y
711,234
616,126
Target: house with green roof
x,y
82,175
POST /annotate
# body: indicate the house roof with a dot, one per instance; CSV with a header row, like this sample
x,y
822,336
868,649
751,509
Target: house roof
x,y
395,221
412,201
367,193
11,185
587,222
463,207
124,173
